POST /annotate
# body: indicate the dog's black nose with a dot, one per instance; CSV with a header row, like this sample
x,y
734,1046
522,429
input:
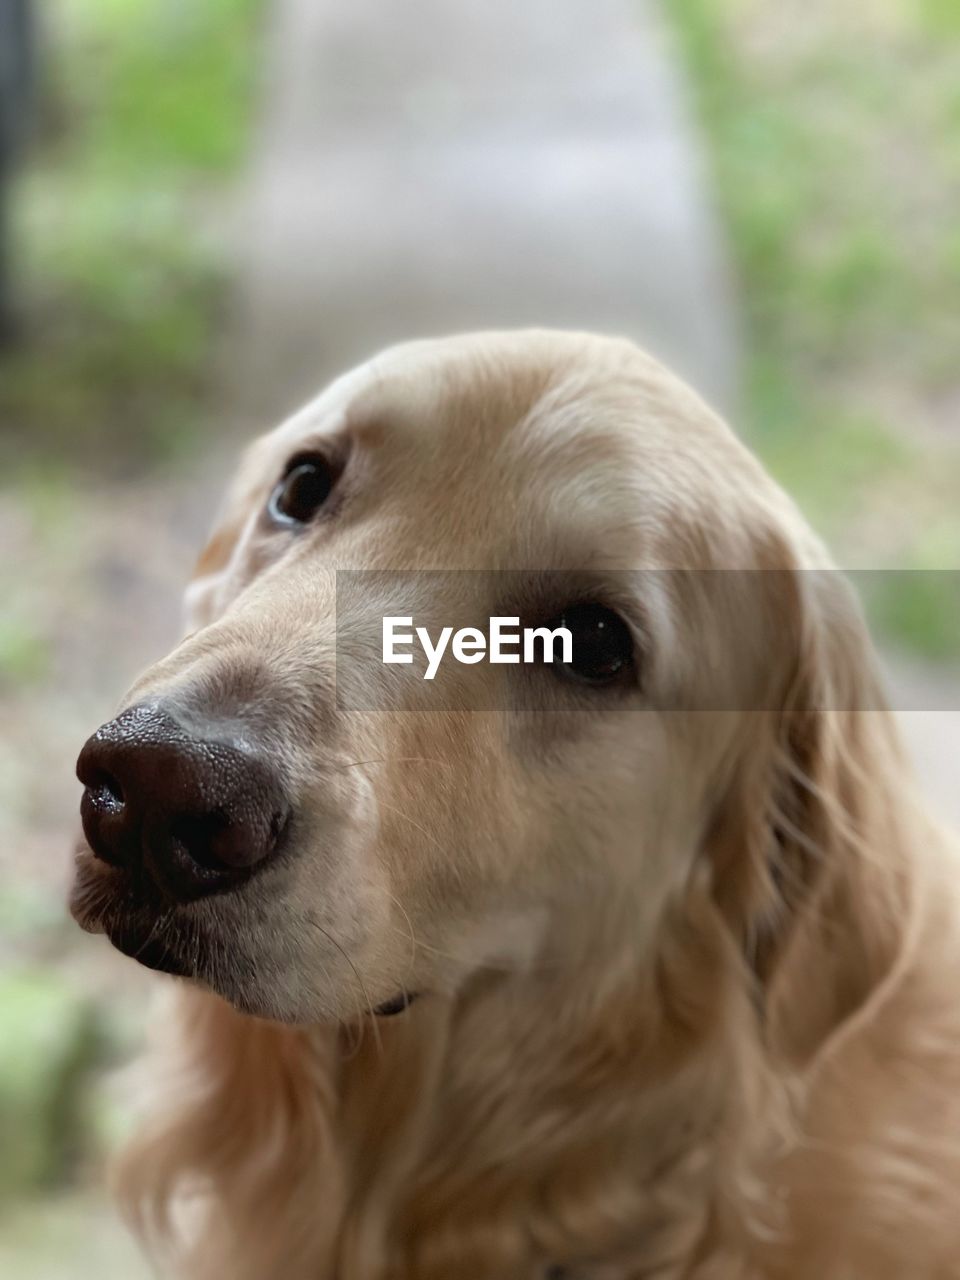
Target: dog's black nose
x,y
194,814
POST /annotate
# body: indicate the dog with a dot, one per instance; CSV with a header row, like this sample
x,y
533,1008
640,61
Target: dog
x,y
640,966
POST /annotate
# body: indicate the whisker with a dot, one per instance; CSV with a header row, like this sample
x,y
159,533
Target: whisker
x,y
356,973
414,941
159,922
406,817
355,764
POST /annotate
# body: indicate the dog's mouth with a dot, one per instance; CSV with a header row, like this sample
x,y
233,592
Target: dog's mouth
x,y
110,901
182,941
152,952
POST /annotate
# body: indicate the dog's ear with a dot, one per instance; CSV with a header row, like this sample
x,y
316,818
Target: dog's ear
x,y
202,597
811,836
206,596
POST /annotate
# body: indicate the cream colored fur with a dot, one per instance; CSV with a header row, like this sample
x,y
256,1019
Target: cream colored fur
x,y
690,976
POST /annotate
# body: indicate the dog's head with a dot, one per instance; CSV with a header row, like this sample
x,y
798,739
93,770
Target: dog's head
x,y
264,815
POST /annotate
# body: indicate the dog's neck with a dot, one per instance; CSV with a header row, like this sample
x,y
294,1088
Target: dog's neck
x,y
633,1110
626,1116
544,1119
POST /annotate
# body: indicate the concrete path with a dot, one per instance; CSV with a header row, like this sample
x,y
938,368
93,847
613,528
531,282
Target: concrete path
x,y
430,167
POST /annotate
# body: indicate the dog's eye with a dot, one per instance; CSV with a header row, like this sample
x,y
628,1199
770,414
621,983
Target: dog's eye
x,y
602,648
302,491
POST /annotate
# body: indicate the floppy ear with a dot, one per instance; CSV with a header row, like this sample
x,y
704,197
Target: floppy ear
x,y
200,599
204,597
812,836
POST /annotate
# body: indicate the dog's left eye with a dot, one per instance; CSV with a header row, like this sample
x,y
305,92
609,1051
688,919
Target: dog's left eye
x,y
602,648
302,491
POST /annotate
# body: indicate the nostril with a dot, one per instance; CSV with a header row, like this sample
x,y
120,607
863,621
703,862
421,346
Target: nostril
x,y
199,835
105,791
111,829
218,841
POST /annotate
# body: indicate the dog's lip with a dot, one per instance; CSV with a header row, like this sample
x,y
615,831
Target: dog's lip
x,y
103,899
150,951
94,887
89,920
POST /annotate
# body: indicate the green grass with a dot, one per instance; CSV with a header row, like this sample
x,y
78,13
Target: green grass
x,y
119,236
834,144
921,609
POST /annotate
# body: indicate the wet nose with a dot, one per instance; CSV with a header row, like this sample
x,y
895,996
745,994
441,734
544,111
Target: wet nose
x,y
196,814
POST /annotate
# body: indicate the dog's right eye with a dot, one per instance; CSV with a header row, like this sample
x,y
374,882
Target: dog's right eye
x,y
602,645
302,491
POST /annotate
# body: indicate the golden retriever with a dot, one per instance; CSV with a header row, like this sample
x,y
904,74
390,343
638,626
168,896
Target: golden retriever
x,y
639,966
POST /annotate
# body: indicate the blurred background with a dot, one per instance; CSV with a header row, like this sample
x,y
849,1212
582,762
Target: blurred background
x,y
206,209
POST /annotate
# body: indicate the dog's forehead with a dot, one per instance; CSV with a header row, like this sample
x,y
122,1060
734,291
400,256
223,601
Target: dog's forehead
x,y
535,399
474,390
569,437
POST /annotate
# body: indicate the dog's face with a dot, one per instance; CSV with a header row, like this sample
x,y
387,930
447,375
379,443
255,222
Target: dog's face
x,y
263,818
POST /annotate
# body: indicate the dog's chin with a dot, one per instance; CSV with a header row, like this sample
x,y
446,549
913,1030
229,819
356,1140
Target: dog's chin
x,y
172,941
158,954
190,942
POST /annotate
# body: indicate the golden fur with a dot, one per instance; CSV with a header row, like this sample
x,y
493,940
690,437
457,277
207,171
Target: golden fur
x,y
689,966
